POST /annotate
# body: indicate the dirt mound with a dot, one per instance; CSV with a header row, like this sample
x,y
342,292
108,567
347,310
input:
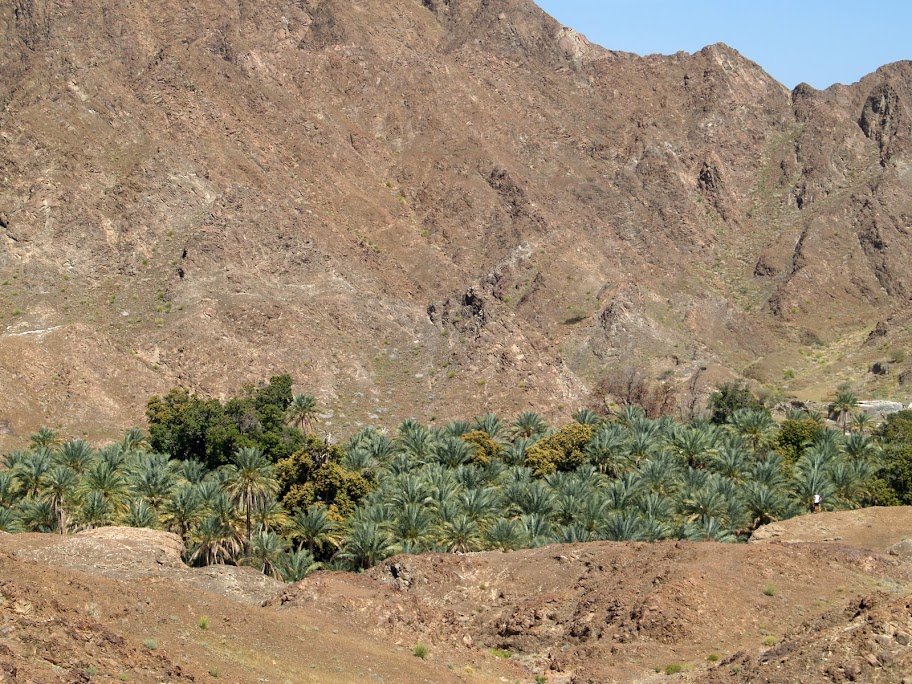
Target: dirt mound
x,y
139,554
877,528
603,611
46,638
119,603
68,625
868,641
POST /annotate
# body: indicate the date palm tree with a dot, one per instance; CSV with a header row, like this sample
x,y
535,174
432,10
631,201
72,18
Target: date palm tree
x,y
45,438
133,441
59,485
365,545
297,565
537,529
861,422
504,535
75,454
314,528
104,483
416,440
37,516
183,510
529,425
491,424
586,416
267,553
214,541
764,504
152,479
31,471
607,450
10,521
462,534
452,452
9,489
757,428
843,404
479,503
302,411
251,482
140,514
623,526
414,523
858,447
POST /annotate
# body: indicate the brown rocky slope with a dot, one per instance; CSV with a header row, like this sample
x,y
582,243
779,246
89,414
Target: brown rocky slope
x,y
425,208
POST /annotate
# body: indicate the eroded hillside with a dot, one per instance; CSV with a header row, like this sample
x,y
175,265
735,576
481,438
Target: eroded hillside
x,y
425,208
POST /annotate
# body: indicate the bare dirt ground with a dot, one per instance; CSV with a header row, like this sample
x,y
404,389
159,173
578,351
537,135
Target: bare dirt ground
x,y
119,605
877,529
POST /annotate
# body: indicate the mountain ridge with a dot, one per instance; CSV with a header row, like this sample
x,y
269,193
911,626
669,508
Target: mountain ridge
x,y
426,208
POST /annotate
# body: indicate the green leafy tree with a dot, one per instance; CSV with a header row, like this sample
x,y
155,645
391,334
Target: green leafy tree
x,y
795,435
732,397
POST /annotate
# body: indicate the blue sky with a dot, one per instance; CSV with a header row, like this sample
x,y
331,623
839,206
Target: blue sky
x,y
817,42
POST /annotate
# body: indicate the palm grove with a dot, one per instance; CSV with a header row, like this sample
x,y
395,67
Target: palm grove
x,y
245,482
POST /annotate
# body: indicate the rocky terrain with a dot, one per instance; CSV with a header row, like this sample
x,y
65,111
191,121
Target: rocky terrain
x,y
428,208
117,604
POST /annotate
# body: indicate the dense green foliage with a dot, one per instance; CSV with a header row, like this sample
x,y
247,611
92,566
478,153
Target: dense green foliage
x,y
731,397
896,477
187,427
241,486
313,475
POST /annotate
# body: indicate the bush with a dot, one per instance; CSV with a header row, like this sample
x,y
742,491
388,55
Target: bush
x,y
151,644
421,651
673,668
486,449
188,427
313,475
769,590
203,622
795,435
564,450
731,397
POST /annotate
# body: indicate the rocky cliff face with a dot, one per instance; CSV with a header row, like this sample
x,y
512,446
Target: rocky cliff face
x,y
424,208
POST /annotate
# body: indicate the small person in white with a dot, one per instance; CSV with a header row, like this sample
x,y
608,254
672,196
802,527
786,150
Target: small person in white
x,y
817,503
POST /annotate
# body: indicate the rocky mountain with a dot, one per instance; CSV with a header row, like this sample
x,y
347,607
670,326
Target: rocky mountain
x,y
428,208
